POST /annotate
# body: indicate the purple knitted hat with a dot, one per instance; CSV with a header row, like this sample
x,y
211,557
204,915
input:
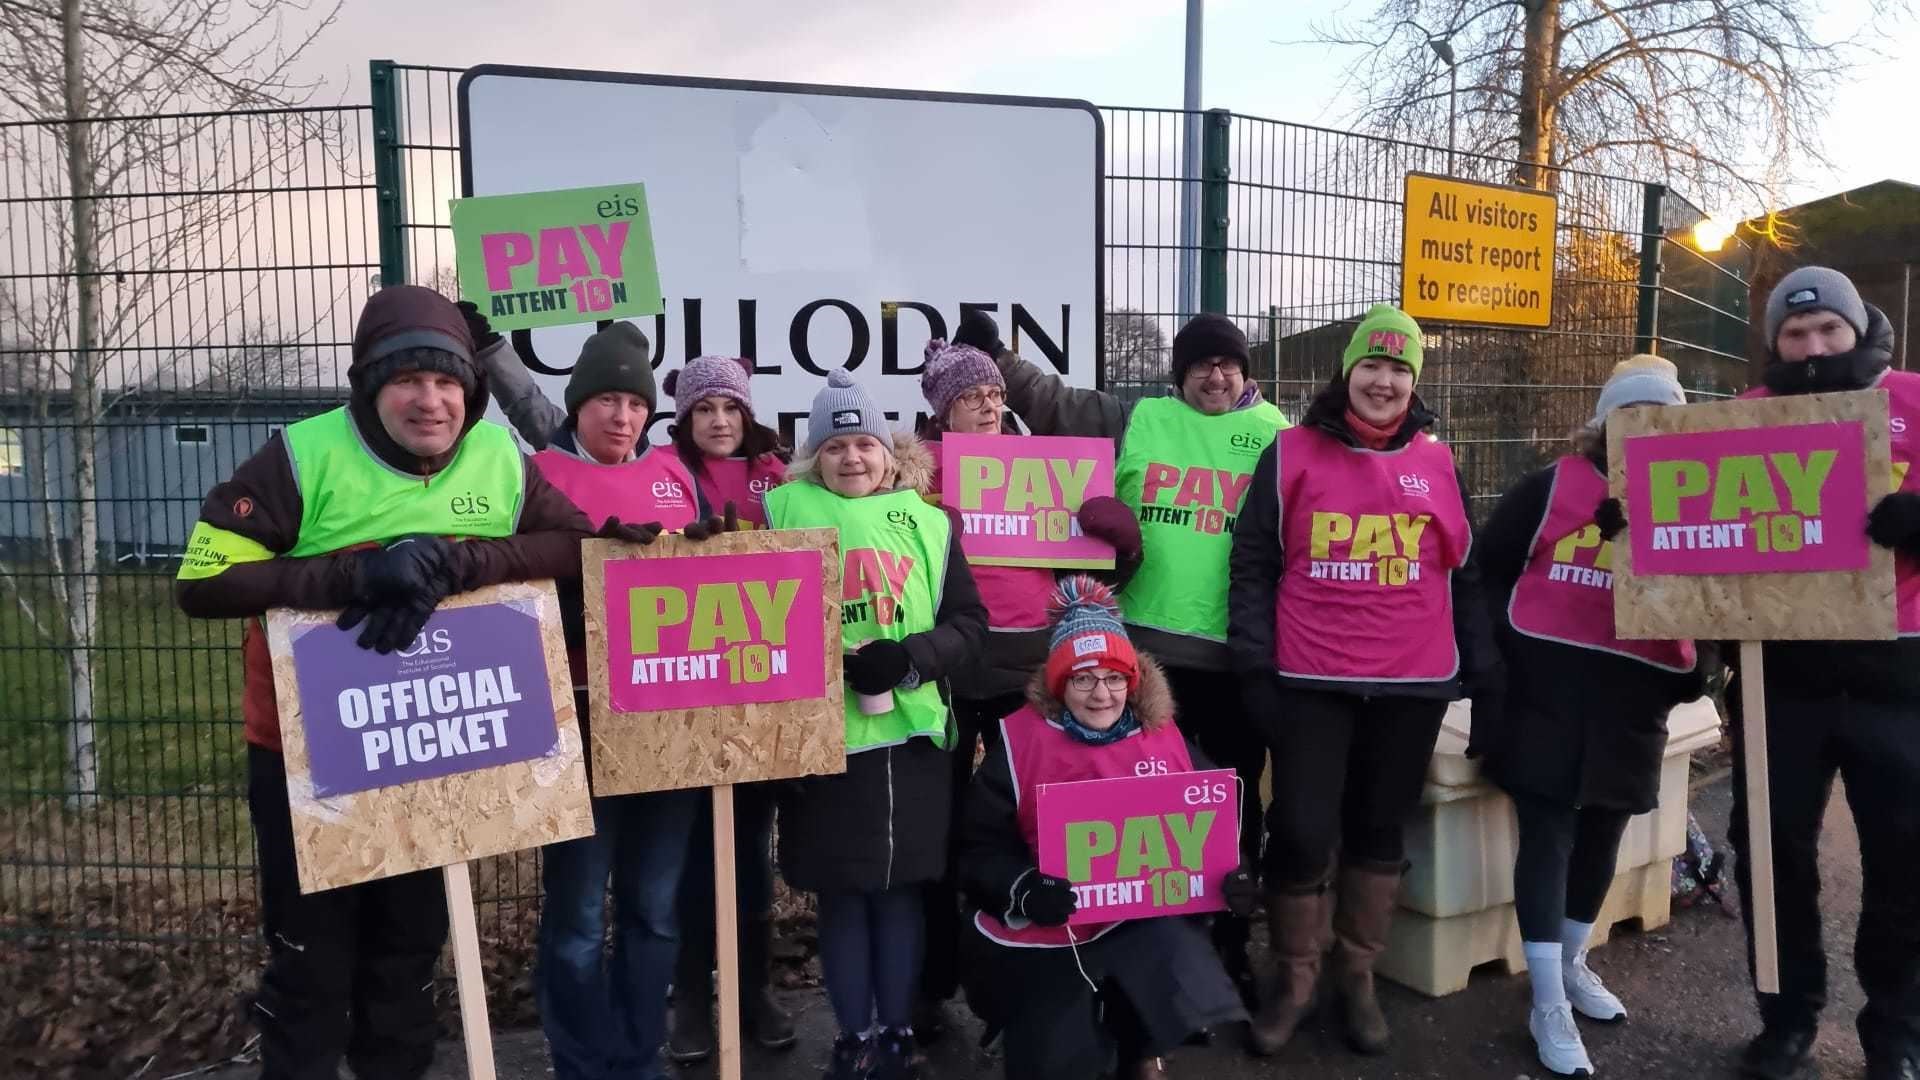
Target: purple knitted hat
x,y
709,376
952,370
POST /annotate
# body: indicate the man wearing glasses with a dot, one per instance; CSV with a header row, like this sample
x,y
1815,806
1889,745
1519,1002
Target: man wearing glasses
x,y
1182,465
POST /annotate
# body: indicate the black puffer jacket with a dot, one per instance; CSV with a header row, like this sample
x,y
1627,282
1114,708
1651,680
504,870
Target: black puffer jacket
x,y
884,822
1254,569
1578,726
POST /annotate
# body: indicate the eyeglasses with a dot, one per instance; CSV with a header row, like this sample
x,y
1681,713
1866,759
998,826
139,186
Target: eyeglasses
x,y
981,397
1085,681
1226,367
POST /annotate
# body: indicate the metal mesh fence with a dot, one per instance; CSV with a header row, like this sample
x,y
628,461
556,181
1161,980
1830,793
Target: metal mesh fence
x,y
235,251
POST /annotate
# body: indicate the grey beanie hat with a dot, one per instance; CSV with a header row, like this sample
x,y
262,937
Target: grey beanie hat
x,y
842,407
1815,288
1640,380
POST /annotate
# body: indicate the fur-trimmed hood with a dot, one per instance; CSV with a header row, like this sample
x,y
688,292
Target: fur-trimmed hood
x,y
1152,701
913,466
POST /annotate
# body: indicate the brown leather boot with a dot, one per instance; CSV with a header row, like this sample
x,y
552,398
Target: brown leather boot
x,y
1362,914
1295,922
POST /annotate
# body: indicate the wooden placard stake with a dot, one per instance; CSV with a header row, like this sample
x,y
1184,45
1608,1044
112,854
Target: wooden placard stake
x,y
467,975
1759,853
726,924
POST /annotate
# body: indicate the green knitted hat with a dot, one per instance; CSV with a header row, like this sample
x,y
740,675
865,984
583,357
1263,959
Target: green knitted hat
x,y
1386,331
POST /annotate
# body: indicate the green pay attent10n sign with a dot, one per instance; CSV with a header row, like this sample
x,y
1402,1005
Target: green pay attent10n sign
x,y
556,257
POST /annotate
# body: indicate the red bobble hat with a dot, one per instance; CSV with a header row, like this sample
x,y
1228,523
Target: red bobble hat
x,y
1087,634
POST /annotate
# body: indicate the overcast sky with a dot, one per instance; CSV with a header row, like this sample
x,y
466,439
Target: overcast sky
x,y
1110,52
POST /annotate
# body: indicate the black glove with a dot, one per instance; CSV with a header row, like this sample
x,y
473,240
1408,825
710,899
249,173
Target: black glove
x,y
877,667
1611,517
1894,521
1047,900
614,529
408,567
978,329
477,325
714,525
390,626
1240,891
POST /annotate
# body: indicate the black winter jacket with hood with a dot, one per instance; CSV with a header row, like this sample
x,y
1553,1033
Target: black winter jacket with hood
x,y
884,822
1577,726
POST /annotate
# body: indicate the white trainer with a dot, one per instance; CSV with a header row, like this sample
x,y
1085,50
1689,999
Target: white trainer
x,y
1558,1041
1588,995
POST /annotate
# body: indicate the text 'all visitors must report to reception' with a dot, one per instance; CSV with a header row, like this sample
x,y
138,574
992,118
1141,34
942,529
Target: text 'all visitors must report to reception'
x,y
1477,253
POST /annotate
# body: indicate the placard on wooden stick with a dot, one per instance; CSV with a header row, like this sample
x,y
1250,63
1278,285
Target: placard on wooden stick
x,y
346,830
1747,521
1756,605
690,638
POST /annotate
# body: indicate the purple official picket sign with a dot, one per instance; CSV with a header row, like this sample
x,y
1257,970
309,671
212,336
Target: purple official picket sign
x,y
471,692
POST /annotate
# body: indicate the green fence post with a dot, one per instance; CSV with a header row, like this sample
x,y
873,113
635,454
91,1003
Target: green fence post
x,y
389,178
1213,211
1646,320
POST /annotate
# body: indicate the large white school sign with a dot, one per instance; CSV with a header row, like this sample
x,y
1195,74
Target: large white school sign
x,y
810,227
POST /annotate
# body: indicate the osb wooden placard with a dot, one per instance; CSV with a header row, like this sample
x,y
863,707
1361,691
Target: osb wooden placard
x,y
1826,606
731,744
367,835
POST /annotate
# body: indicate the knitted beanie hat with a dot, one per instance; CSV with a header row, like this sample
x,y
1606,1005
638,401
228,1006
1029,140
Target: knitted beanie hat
x,y
1087,634
617,358
1204,337
1640,380
1815,288
709,376
1384,331
952,370
842,407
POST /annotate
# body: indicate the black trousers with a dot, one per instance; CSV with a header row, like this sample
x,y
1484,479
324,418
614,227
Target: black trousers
x,y
1347,773
1208,707
976,720
1565,863
1875,749
349,970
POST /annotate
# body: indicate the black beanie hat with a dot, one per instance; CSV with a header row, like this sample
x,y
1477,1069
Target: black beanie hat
x,y
617,358
1205,336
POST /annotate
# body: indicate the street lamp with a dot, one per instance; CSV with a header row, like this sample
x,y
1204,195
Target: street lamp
x,y
1443,49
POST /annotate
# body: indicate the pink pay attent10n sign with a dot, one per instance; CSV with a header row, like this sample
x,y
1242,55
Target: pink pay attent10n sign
x,y
1136,847
708,630
1784,499
1018,497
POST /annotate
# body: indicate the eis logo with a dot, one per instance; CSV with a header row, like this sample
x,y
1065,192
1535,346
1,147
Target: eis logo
x,y
669,489
430,643
1246,443
1414,485
470,505
760,485
902,519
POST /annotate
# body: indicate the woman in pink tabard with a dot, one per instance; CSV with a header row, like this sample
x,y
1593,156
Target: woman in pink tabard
x,y
1577,737
1354,619
1096,710
603,1019
735,460
966,395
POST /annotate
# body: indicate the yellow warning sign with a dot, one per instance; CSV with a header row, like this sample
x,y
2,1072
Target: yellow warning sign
x,y
1478,253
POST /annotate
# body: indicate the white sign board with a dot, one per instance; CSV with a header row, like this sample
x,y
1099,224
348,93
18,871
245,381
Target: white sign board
x,y
813,227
